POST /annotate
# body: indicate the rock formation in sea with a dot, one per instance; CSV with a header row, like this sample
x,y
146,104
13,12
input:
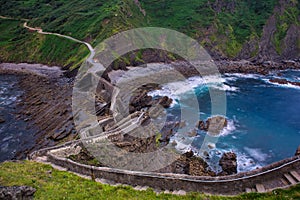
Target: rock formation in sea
x,y
283,81
189,164
228,162
214,125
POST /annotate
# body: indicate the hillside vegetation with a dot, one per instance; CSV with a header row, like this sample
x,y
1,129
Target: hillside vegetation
x,y
223,27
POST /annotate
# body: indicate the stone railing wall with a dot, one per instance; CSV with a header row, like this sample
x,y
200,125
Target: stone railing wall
x,y
224,185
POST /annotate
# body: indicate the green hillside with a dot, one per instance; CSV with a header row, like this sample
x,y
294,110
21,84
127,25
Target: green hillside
x,y
220,26
19,45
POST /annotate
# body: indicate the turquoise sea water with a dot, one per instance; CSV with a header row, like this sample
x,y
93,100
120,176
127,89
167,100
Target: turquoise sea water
x,y
264,119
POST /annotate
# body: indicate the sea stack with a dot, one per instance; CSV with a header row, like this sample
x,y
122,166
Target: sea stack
x,y
228,162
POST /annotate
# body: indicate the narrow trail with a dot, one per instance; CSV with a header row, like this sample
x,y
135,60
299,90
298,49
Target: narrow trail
x,y
89,46
90,58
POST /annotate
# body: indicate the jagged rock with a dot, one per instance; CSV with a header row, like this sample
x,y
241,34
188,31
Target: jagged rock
x,y
189,164
189,154
17,192
165,101
298,152
228,162
215,125
284,81
197,167
278,80
201,125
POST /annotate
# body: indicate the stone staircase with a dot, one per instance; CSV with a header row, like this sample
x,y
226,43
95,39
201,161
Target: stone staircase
x,y
283,181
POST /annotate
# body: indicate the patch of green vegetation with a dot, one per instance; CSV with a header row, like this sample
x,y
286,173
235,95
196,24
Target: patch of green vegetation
x,y
290,16
54,184
158,137
17,44
224,26
234,24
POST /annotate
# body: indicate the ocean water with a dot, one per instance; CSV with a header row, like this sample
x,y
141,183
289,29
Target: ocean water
x,y
14,134
264,119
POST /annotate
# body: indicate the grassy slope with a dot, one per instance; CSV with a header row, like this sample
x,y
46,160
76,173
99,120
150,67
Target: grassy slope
x,y
19,45
91,21
54,184
224,29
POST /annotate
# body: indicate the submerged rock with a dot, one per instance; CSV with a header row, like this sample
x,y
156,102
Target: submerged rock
x,y
279,81
284,82
17,192
228,162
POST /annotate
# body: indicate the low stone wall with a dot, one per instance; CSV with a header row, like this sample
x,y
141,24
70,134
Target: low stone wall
x,y
108,87
223,185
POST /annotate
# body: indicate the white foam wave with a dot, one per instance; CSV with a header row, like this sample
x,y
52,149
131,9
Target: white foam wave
x,y
257,154
175,90
225,87
235,76
282,85
229,129
246,163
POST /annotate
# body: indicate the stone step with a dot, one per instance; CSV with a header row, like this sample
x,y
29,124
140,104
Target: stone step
x,y
179,192
285,183
260,188
138,187
144,188
290,179
295,175
248,190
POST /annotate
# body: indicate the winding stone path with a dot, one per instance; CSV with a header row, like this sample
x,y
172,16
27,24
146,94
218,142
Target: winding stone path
x,y
282,174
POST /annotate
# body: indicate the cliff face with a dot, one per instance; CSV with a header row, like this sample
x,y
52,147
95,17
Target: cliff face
x,y
280,38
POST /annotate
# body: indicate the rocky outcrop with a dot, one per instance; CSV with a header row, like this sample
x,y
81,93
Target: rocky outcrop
x,y
189,164
46,105
288,45
284,82
141,99
297,152
228,162
213,125
17,192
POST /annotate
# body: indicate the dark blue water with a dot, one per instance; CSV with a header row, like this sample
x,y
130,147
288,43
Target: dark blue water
x,y
264,119
14,136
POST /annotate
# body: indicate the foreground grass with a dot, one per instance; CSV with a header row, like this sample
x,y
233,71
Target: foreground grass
x,y
54,184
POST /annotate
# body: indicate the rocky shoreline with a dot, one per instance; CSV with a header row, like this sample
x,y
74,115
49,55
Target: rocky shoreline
x,y
46,105
242,66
